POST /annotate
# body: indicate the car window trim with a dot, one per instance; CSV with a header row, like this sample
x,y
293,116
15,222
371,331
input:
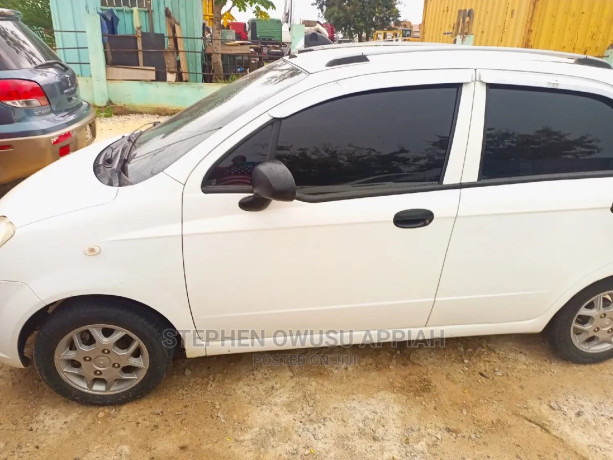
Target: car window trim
x,y
515,181
383,191
534,178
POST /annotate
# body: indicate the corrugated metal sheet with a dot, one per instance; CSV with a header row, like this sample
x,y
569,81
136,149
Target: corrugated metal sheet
x,y
494,23
69,26
69,30
580,26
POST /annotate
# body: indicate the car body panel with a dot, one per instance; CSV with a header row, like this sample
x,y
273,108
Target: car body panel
x,y
538,242
65,186
319,265
29,154
136,257
367,288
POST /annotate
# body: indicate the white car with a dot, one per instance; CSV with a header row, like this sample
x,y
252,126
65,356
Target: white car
x,y
342,194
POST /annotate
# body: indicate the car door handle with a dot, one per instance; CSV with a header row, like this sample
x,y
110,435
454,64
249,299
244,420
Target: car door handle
x,y
413,218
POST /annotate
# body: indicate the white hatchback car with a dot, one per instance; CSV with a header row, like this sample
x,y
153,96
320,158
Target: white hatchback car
x,y
341,194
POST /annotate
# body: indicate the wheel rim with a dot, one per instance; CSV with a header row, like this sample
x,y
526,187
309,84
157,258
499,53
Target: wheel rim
x,y
592,328
101,359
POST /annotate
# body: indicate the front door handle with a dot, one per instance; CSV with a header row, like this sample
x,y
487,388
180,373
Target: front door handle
x,y
413,218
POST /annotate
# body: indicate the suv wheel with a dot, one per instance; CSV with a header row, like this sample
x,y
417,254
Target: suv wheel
x,y
582,331
101,353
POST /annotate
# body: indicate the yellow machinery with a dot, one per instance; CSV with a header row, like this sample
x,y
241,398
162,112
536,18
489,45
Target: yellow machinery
x,y
404,33
207,11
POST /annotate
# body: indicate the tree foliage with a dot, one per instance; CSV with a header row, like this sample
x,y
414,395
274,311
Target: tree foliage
x,y
359,18
222,14
36,15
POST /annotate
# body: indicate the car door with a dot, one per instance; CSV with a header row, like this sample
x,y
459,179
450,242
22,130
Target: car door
x,y
535,212
362,246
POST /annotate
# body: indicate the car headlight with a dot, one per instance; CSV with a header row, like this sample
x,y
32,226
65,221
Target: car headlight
x,y
7,230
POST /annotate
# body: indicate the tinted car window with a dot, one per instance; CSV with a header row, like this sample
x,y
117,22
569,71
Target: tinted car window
x,y
20,48
160,146
532,132
236,167
370,143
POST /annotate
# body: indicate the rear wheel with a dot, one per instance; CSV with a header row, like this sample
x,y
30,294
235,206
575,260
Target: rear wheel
x,y
101,353
582,331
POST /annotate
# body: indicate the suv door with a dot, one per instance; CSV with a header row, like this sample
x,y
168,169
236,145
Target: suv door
x,y
535,213
363,245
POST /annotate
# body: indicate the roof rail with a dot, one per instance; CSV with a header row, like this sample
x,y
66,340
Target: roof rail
x,y
593,62
348,60
379,48
10,14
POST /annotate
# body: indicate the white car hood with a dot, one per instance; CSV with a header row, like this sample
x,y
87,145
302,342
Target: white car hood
x,y
64,186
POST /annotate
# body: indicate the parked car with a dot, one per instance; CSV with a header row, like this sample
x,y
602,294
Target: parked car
x,y
42,117
350,194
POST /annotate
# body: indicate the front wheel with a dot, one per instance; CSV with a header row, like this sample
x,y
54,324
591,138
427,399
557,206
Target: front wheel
x,y
102,353
582,331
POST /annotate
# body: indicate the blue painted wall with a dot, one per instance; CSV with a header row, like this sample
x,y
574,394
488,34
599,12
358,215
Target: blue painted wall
x,y
69,27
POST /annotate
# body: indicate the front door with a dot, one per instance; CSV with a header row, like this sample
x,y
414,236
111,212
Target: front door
x,y
363,245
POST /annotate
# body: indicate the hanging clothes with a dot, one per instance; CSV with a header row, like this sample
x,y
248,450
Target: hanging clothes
x,y
109,23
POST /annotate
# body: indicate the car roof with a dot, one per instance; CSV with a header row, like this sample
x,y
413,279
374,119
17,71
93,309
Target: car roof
x,y
9,14
413,55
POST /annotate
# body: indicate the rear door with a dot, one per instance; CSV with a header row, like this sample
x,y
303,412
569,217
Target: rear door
x,y
537,189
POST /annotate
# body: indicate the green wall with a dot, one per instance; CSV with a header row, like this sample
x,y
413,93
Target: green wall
x,y
150,95
68,18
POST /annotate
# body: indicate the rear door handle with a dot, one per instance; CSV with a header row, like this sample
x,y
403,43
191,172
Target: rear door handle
x,y
413,218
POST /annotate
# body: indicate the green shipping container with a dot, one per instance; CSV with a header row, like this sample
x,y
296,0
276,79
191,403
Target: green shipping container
x,y
262,30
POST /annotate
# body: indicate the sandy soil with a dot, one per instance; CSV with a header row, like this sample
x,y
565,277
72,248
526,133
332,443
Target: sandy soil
x,y
492,397
118,125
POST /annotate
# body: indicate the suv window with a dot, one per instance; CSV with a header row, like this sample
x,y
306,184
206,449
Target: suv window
x,y
533,132
20,48
371,143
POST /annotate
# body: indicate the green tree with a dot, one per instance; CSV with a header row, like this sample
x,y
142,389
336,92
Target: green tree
x,y
222,12
359,18
36,15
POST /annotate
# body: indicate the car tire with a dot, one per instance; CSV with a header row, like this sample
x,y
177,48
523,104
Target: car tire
x,y
98,351
578,332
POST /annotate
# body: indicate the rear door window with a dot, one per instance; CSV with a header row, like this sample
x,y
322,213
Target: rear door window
x,y
538,132
20,48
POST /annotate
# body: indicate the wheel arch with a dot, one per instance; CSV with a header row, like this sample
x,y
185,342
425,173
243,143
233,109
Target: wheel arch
x,y
38,318
560,308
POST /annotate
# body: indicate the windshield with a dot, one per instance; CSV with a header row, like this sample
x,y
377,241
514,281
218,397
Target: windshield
x,y
160,146
20,48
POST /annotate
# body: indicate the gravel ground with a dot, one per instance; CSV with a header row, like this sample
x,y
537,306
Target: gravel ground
x,y
489,397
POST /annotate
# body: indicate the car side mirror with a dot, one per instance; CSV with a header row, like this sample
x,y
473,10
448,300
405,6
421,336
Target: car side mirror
x,y
271,180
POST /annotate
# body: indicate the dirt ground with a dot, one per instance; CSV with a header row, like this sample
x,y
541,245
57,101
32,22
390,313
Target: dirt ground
x,y
494,397
118,125
487,397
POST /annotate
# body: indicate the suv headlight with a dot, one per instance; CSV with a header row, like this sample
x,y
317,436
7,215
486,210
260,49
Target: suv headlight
x,y
7,230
